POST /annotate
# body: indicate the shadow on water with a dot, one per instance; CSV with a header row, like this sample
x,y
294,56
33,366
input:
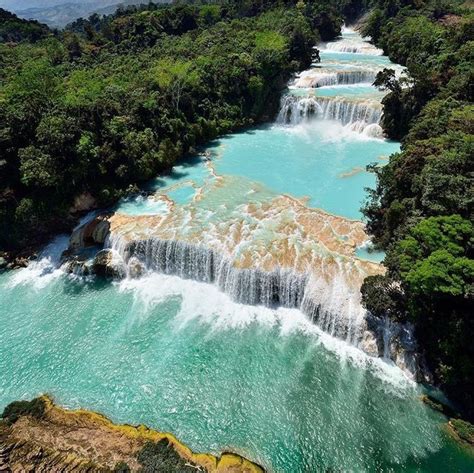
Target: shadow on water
x,y
250,131
189,161
74,286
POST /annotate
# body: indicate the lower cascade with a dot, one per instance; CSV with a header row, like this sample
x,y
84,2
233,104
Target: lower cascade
x,y
315,78
331,303
331,306
247,286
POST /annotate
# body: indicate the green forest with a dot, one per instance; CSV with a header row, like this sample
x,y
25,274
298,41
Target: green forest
x,y
421,210
97,109
91,112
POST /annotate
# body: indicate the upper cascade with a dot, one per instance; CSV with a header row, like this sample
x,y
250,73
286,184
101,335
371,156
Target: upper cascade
x,y
352,42
340,88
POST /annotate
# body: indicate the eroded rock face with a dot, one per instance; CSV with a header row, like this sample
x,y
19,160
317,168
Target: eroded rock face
x,y
52,439
78,265
109,264
369,344
92,233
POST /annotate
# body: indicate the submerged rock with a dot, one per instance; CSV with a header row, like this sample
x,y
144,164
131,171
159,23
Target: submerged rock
x,y
135,268
78,265
109,264
40,436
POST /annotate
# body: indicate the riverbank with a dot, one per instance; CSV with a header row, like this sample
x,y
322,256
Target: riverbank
x,y
41,436
150,107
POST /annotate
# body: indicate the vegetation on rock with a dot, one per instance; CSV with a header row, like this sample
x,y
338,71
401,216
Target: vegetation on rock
x,y
37,435
463,429
17,409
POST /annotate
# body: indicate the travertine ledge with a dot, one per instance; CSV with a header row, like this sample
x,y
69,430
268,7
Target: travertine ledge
x,y
41,436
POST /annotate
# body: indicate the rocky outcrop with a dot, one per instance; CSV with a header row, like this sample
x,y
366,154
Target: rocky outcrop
x,y
83,203
92,233
40,436
109,264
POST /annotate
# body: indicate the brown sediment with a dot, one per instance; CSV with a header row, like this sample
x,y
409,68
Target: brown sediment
x,y
279,232
352,172
80,440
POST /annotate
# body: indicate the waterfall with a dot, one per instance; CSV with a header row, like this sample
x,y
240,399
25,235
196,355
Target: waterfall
x,y
359,115
354,46
190,261
315,78
329,304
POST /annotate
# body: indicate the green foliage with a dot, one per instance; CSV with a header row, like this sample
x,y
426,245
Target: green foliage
x,y
115,100
421,209
433,259
122,467
15,30
437,51
161,456
17,409
464,429
382,296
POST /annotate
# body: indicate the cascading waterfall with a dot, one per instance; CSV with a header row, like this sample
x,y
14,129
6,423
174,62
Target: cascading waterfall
x,y
330,305
358,114
353,43
346,46
326,292
315,78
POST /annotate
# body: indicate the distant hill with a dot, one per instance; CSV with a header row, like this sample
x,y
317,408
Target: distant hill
x,y
15,30
57,14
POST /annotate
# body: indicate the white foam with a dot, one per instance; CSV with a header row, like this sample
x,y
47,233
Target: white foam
x,y
330,131
205,304
45,269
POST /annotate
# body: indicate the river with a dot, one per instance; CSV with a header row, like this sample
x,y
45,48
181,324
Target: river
x,y
219,359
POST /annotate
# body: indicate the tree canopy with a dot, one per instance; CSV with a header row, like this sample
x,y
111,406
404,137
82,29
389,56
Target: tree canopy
x,y
421,209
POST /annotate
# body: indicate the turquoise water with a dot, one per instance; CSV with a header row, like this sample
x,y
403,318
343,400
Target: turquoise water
x,y
325,163
180,356
356,90
349,58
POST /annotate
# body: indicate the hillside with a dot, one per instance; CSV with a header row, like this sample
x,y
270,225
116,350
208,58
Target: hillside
x,y
15,30
58,16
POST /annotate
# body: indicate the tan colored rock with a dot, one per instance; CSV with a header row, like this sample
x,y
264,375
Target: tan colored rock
x,y
92,233
84,441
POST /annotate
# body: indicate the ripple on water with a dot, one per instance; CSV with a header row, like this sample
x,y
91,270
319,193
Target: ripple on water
x,y
181,356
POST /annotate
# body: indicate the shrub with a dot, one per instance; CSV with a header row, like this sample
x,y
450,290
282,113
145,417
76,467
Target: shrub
x,y
15,410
